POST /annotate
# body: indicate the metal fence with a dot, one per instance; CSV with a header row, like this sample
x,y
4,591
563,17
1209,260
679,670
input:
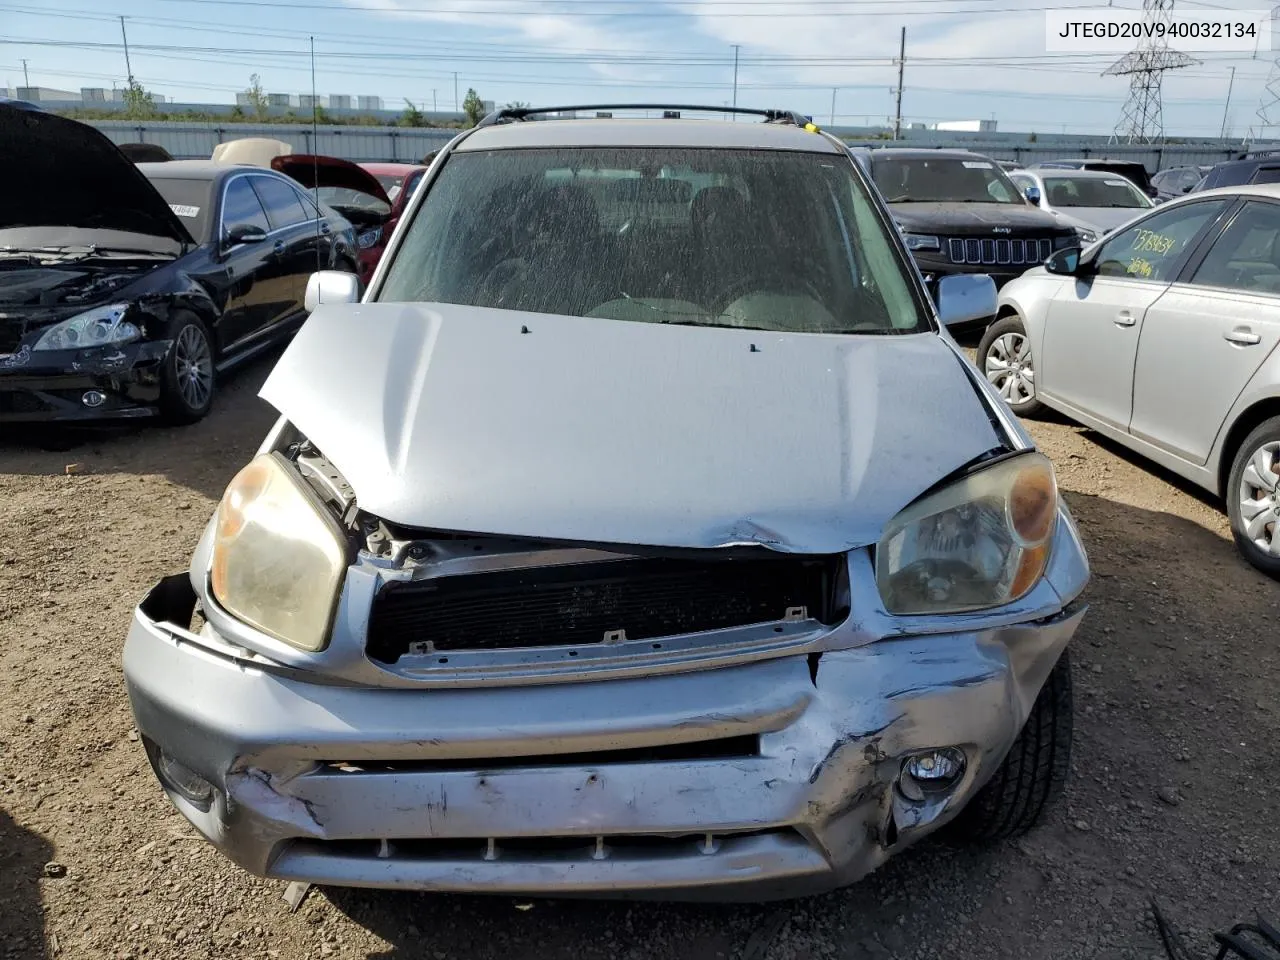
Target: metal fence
x,y
366,144
196,140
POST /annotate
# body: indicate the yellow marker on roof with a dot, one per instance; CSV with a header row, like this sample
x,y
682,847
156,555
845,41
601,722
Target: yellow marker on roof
x,y
812,128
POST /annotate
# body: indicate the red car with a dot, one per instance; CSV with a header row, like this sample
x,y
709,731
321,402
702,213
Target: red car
x,y
400,181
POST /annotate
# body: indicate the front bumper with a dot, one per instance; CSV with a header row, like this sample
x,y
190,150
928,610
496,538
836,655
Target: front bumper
x,y
36,388
763,780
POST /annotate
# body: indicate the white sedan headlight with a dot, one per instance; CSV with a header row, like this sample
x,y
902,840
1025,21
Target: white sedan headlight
x,y
981,542
99,327
278,557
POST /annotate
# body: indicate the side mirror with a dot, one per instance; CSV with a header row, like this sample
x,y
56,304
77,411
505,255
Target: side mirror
x,y
965,297
1064,263
1032,193
331,286
1188,188
245,233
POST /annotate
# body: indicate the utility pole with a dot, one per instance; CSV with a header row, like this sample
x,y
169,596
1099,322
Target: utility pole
x,y
125,37
902,61
736,48
435,107
833,105
455,93
1225,110
26,81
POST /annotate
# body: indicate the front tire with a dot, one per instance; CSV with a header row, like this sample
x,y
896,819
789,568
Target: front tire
x,y
1004,356
1253,498
189,382
1032,776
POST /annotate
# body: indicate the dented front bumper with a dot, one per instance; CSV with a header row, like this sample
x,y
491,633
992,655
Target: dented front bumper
x,y
769,779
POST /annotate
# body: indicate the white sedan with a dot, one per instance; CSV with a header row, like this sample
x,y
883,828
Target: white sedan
x,y
1162,336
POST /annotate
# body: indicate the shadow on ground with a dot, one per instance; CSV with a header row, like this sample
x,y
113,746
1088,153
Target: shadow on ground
x,y
23,856
203,456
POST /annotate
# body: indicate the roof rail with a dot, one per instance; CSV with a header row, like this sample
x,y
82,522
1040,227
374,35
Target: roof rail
x,y
510,114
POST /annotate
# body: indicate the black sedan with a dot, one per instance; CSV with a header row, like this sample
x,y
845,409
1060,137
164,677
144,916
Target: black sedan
x,y
125,290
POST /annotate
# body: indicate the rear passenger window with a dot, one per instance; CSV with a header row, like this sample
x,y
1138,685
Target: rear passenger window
x,y
1247,255
281,202
241,207
1266,175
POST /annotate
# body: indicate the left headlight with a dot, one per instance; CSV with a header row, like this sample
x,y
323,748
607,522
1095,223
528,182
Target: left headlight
x,y
278,558
1086,236
99,327
981,542
369,238
921,241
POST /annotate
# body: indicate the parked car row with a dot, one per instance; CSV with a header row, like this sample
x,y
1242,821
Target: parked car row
x,y
149,277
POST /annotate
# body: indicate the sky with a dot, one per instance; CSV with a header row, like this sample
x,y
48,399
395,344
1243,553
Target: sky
x,y
965,59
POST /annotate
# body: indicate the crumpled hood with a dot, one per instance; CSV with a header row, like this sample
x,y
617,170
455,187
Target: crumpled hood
x,y
454,418
62,173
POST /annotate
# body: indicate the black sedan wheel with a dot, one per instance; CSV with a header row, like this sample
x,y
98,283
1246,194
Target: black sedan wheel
x,y
189,380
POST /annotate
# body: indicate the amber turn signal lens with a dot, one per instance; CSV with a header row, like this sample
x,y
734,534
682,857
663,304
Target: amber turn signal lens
x,y
1033,502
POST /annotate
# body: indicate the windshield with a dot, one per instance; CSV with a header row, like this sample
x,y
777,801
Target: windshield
x,y
189,199
342,198
943,180
764,240
1094,192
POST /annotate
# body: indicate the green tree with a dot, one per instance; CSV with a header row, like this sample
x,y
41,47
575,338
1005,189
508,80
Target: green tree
x,y
519,105
139,104
412,116
257,97
473,107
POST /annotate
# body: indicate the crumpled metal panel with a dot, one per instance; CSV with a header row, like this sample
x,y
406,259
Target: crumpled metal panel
x,y
456,418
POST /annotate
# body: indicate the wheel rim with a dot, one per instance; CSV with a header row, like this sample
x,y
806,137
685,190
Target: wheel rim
x,y
1008,367
193,364
1259,497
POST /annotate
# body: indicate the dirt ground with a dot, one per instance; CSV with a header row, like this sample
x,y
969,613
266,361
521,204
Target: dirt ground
x,y
1173,794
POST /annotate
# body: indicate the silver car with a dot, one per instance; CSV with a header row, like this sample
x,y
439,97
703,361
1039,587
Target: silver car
x,y
1163,337
1092,201
641,532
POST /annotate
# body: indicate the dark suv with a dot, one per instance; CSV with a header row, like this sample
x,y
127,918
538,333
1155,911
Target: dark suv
x,y
962,214
1260,168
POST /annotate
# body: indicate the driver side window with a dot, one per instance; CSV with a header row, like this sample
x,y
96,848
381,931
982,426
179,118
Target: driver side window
x,y
1154,249
241,207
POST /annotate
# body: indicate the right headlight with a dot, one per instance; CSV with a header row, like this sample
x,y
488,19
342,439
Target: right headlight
x,y
99,327
981,542
922,241
278,557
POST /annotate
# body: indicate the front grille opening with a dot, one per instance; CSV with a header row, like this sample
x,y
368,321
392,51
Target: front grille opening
x,y
587,604
720,749
560,849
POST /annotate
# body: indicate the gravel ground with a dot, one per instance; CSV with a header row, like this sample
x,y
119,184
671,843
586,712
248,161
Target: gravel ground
x,y
1170,797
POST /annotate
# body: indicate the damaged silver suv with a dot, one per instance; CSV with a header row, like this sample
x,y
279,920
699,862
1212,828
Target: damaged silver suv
x,y
641,533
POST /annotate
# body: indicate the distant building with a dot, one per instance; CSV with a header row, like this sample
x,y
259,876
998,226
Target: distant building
x,y
340,101
94,94
967,126
369,103
36,94
281,100
309,100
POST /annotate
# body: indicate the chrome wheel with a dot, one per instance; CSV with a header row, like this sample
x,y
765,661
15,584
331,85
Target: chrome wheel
x,y
1259,495
1008,367
193,367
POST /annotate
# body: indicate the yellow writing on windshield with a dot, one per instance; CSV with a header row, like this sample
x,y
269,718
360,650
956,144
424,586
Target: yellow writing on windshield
x,y
1139,267
1149,242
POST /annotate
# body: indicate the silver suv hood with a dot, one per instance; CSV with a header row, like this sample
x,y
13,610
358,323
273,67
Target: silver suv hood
x,y
490,421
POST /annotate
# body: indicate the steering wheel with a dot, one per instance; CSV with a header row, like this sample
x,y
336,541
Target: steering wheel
x,y
776,283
